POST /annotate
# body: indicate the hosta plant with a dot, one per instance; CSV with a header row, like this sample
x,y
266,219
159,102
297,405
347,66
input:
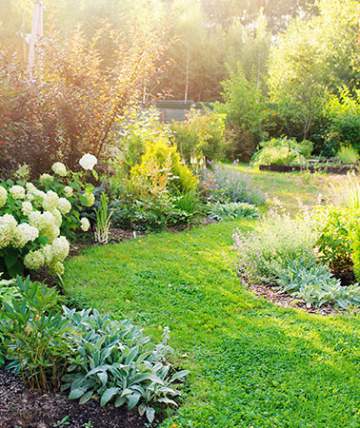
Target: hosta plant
x,y
115,362
232,210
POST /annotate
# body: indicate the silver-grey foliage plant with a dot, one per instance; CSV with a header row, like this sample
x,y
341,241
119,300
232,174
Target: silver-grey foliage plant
x,y
114,361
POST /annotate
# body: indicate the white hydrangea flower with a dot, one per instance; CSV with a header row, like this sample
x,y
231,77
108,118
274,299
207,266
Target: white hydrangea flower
x,y
34,260
7,219
47,224
46,178
60,248
88,199
59,169
57,268
3,196
33,192
7,230
30,188
85,224
58,217
24,233
69,191
88,162
39,194
17,192
48,254
50,201
26,207
64,206
35,218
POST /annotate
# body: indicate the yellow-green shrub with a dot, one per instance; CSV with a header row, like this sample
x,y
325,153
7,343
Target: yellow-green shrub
x,y
161,170
356,251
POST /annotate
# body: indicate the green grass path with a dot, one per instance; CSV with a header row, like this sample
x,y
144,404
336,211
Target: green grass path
x,y
252,364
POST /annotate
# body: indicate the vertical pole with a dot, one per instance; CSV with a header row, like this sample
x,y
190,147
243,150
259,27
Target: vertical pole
x,y
36,33
187,72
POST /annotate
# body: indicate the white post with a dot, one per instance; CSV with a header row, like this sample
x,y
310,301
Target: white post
x,y
37,32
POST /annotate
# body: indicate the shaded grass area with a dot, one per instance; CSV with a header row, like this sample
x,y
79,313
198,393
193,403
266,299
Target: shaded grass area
x,y
252,364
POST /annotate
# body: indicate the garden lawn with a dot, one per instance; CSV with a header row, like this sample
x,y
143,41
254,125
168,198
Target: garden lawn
x,y
252,364
294,188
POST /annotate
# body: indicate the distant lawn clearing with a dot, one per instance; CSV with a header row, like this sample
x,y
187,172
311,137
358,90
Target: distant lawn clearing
x,y
252,364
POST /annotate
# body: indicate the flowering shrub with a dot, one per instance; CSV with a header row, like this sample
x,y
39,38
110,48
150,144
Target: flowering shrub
x,y
36,219
67,108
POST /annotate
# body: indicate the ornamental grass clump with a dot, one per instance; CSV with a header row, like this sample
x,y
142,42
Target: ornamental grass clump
x,y
278,240
37,218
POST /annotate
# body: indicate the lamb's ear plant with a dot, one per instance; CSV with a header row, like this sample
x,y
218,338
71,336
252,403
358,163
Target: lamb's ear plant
x,y
103,220
115,362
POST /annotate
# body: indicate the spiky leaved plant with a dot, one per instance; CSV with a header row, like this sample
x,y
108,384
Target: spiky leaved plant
x,y
103,220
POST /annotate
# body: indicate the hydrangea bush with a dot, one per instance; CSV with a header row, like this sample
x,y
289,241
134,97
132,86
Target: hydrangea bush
x,y
37,219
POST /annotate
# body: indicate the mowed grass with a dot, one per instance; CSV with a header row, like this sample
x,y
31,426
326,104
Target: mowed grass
x,y
252,364
294,189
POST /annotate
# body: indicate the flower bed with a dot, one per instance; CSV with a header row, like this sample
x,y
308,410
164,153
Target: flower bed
x,y
300,257
340,169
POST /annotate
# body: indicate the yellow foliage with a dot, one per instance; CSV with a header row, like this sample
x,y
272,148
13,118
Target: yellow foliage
x,y
161,170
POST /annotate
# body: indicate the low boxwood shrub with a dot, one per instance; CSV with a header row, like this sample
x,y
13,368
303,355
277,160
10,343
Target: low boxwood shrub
x,y
225,184
232,210
149,214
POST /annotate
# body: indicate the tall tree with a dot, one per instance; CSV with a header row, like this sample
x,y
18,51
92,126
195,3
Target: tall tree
x,y
312,58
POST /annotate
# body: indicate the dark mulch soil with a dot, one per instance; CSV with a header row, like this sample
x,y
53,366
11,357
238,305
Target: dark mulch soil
x,y
287,301
22,408
116,235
